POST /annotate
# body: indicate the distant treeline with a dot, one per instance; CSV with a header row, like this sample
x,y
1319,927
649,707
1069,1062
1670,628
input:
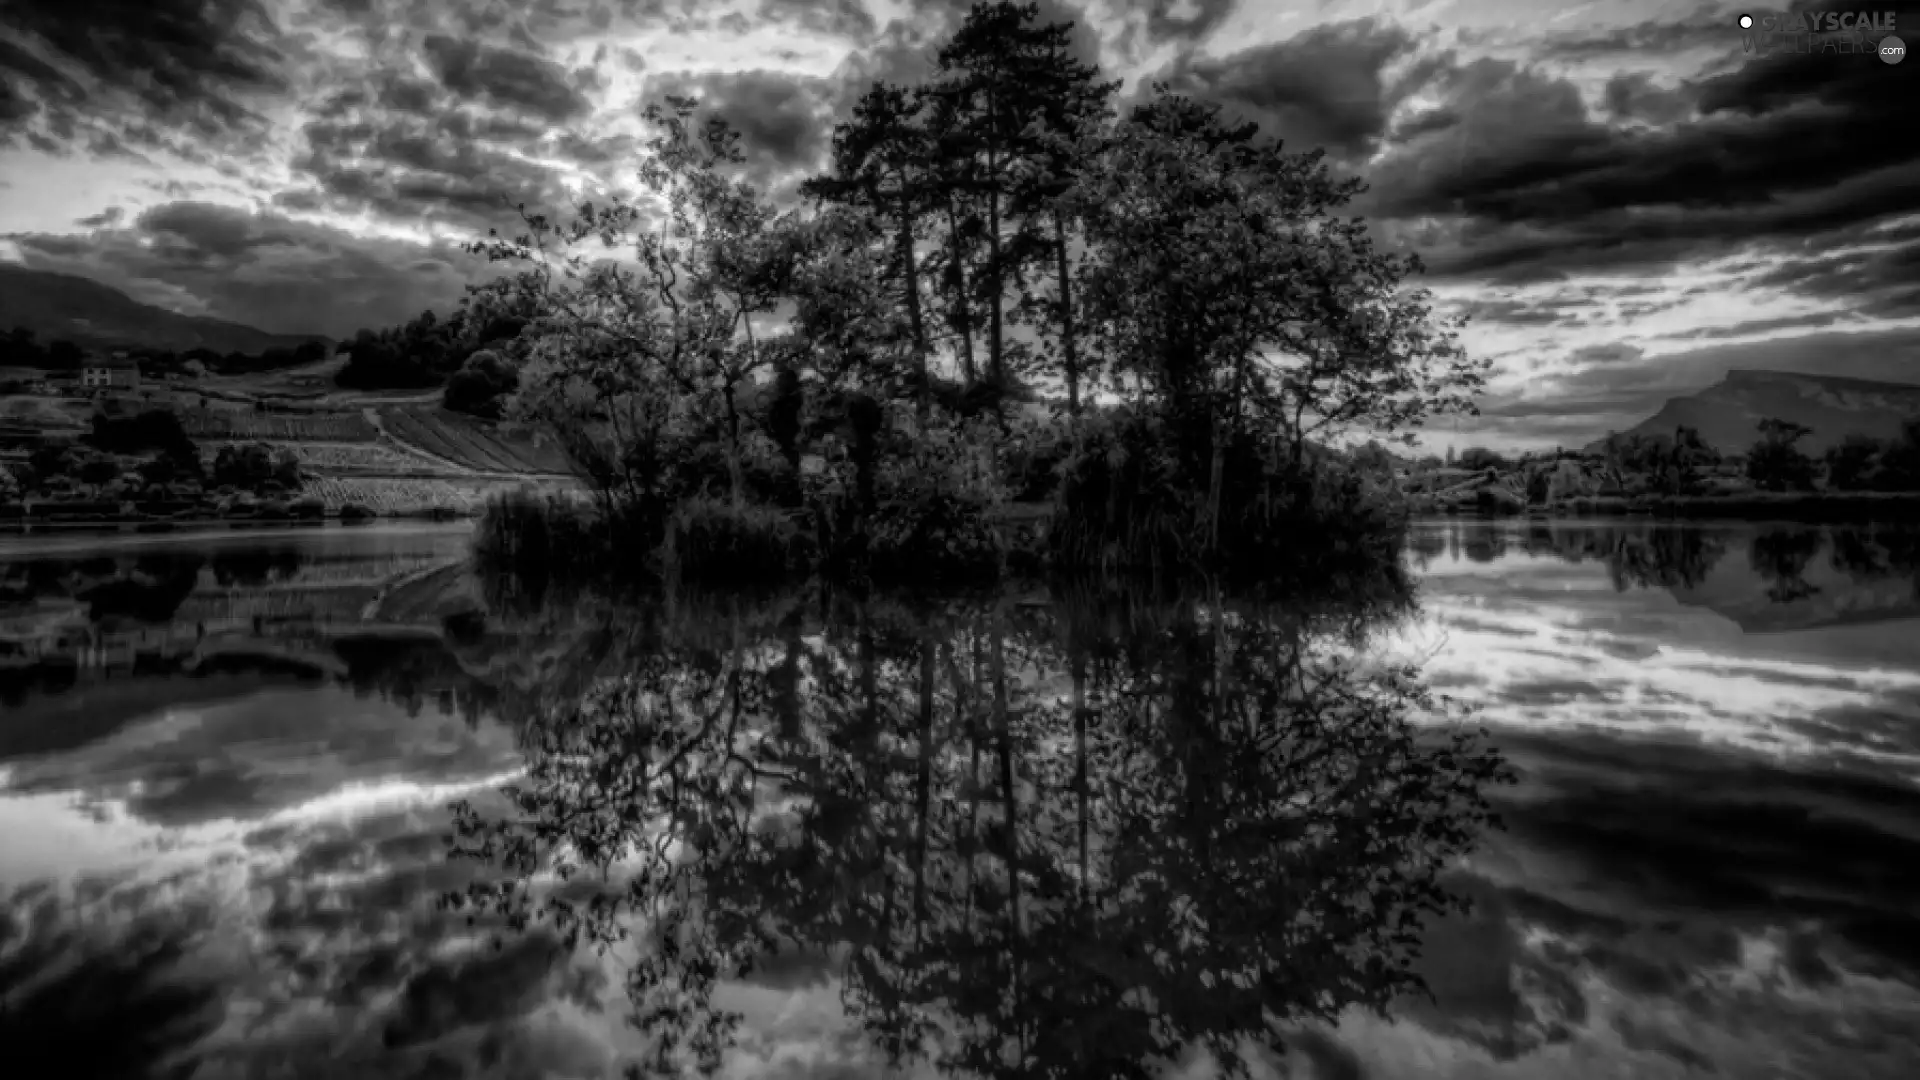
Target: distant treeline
x,y
20,347
431,351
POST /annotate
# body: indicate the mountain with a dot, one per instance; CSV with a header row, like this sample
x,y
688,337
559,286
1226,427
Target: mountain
x,y
1728,413
85,312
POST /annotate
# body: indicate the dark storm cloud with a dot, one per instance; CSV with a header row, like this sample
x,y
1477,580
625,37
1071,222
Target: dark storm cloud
x,y
847,18
260,269
1324,88
399,152
110,216
783,119
1152,23
1775,149
517,80
1705,27
1633,95
1512,311
153,66
1878,272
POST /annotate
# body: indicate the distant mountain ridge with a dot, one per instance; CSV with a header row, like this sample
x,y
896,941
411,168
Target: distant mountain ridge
x,y
1728,413
56,306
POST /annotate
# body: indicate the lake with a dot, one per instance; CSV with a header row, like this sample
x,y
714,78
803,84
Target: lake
x,y
319,803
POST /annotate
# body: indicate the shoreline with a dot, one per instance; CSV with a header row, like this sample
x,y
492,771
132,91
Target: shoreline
x,y
1807,507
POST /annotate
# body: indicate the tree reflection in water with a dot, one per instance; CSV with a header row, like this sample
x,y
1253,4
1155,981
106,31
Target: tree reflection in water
x,y
1071,837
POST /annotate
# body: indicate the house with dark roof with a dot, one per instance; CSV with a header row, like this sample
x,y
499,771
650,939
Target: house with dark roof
x,y
116,372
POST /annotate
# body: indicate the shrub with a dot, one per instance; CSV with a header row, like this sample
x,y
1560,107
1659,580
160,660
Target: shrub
x,y
481,385
355,512
1119,504
1498,500
273,510
1123,505
524,532
308,507
936,492
710,540
1853,463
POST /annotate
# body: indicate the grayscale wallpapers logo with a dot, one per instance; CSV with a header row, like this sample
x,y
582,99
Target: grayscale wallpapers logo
x,y
1823,32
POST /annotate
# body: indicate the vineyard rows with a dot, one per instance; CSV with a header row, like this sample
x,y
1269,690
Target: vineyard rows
x,y
344,602
363,458
396,495
472,444
278,427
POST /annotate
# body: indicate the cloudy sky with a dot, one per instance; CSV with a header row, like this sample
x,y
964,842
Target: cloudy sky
x,y
1626,202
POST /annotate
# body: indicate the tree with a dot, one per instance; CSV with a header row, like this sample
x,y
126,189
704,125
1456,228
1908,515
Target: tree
x,y
1479,458
99,470
253,466
1010,107
1221,280
51,459
1900,459
1852,463
65,356
881,163
631,346
480,387
1775,463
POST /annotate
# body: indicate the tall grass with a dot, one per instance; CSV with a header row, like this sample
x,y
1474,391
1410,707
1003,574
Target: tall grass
x,y
523,531
711,541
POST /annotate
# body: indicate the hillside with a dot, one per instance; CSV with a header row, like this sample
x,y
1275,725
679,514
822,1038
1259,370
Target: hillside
x,y
83,311
1727,413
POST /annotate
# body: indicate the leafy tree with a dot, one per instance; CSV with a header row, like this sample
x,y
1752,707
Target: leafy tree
x,y
1775,463
1223,284
152,429
1479,458
480,387
52,458
882,164
1007,113
1900,459
65,356
628,352
97,471
255,466
1853,463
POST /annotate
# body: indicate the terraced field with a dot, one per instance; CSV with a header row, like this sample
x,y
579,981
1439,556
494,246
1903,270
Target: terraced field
x,y
238,424
391,495
376,459
472,443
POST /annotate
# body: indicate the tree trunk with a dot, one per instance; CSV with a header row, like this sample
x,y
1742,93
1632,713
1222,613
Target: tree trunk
x,y
736,474
923,786
914,318
1069,346
1010,798
996,344
963,310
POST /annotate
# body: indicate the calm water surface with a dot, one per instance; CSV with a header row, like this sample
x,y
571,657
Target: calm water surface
x,y
231,770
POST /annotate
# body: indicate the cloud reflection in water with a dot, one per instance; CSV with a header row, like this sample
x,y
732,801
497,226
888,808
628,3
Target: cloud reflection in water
x,y
1709,864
